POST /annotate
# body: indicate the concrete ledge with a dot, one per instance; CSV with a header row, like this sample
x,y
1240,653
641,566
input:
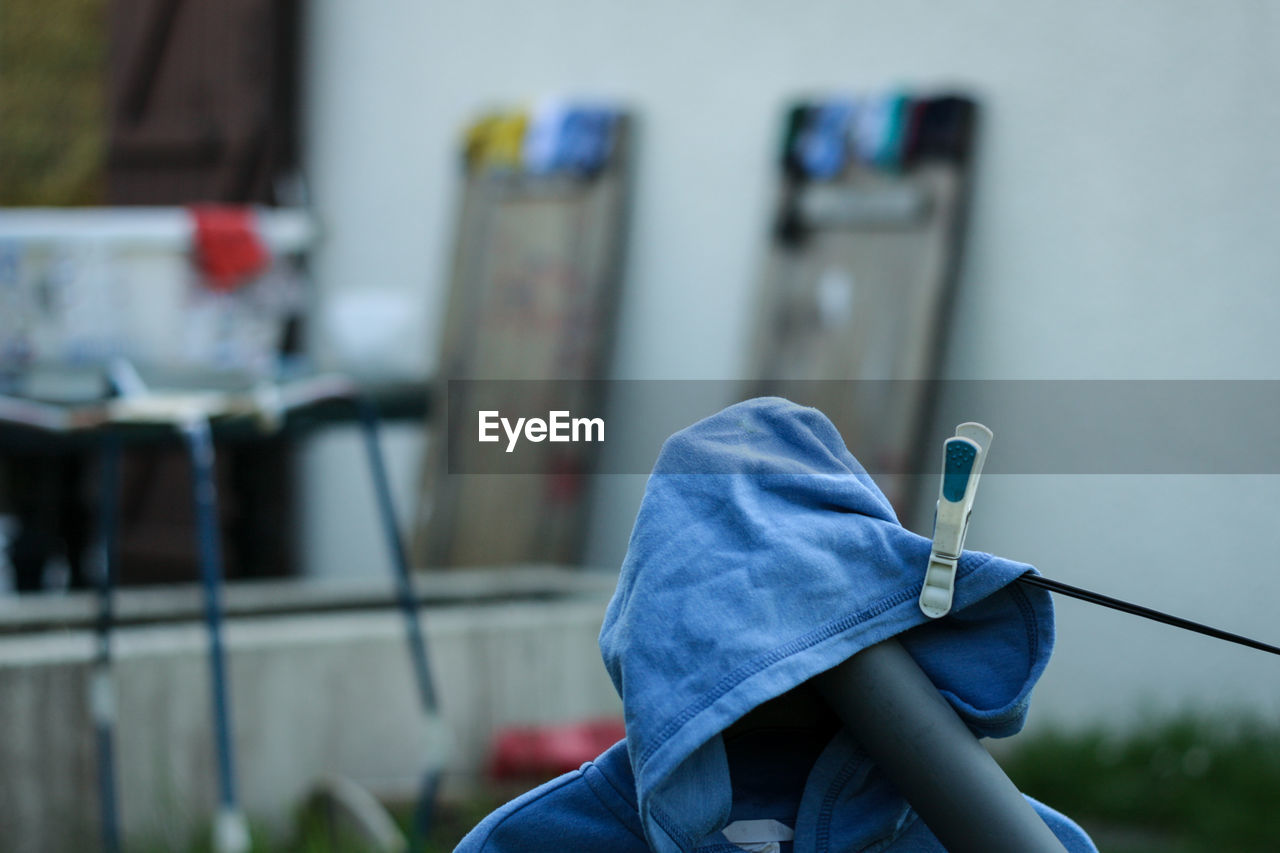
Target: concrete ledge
x,y
141,605
311,693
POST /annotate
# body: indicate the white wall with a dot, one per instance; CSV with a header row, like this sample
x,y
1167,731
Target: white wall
x,y
1123,227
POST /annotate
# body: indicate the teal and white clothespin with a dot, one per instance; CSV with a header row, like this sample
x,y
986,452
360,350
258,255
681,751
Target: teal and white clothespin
x,y
962,458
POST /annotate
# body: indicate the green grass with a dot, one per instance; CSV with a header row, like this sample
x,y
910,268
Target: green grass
x,y
1177,785
311,834
452,820
53,122
1184,784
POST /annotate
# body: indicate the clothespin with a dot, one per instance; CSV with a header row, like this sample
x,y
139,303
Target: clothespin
x,y
962,458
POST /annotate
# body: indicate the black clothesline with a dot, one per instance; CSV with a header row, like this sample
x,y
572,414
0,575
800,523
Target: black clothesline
x,y
1144,612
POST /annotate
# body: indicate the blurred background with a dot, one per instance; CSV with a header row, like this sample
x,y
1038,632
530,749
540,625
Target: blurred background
x,y
255,212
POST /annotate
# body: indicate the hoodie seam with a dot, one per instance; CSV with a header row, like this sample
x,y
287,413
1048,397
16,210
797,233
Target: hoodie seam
x,y
986,718
1028,619
1031,628
678,835
626,818
484,843
886,840
822,837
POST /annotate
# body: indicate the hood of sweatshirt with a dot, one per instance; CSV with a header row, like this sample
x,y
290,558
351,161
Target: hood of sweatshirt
x,y
762,555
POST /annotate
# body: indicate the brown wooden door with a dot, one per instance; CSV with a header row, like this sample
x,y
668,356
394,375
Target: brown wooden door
x,y
202,100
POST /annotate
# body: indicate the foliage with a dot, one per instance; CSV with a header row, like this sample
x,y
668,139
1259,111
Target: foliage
x,y
1182,784
52,101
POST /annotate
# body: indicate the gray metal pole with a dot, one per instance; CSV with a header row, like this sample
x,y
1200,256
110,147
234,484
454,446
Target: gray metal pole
x,y
897,715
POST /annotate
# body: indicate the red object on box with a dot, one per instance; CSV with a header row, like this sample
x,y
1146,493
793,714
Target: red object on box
x,y
228,249
522,752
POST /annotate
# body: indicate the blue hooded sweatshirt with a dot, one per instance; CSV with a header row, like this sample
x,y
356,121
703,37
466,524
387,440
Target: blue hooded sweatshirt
x,y
763,555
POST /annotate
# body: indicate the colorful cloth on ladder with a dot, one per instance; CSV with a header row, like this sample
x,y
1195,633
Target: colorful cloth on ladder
x,y
557,137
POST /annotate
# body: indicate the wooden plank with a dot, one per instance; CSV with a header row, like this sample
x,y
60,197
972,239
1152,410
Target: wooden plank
x,y
533,297
852,318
